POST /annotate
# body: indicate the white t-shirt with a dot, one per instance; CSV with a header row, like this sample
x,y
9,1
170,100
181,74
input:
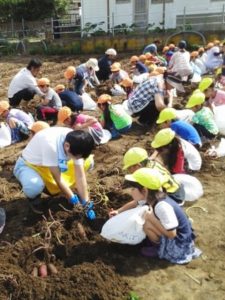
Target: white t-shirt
x,y
185,115
42,149
167,217
23,80
180,63
192,156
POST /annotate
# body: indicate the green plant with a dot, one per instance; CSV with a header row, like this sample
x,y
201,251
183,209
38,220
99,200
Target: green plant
x,y
92,28
133,296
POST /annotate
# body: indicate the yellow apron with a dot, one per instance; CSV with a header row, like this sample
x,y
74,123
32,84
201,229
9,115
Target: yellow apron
x,y
69,177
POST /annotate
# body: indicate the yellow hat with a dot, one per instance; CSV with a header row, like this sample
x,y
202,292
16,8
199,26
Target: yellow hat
x,y
166,114
197,98
127,82
209,45
60,88
115,67
148,178
205,83
70,72
104,98
63,114
163,138
165,49
43,81
38,126
134,156
4,105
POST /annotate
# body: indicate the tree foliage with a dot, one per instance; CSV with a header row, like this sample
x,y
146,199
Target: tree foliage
x,y
31,9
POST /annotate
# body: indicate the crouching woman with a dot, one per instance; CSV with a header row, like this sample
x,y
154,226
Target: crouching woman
x,y
166,225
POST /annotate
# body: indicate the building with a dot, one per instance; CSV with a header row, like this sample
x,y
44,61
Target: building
x,y
110,15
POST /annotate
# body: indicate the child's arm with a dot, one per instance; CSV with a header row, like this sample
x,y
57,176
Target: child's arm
x,y
127,206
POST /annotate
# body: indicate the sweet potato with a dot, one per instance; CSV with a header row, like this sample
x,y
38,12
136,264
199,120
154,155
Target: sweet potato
x,y
42,271
81,231
34,272
52,269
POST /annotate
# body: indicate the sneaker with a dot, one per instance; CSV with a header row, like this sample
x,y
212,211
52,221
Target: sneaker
x,y
151,251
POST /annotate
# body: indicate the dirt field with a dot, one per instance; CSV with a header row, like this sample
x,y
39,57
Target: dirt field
x,y
88,266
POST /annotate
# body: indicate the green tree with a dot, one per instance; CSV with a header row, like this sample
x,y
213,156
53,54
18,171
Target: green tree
x,y
32,9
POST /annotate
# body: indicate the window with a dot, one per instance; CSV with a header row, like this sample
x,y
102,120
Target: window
x,y
122,1
161,1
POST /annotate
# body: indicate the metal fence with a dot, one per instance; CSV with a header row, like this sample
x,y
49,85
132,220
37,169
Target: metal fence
x,y
74,26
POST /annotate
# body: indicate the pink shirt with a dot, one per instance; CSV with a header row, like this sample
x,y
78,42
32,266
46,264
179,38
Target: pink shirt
x,y
81,119
219,99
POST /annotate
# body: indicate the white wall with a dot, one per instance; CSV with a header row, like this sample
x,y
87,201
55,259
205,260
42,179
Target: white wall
x,y
95,11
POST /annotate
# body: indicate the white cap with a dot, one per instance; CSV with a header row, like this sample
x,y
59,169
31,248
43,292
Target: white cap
x,y
92,63
111,51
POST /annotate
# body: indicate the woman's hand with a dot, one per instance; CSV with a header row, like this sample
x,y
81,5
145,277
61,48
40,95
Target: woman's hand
x,y
113,212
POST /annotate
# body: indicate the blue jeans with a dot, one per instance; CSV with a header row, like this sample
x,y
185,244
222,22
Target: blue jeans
x,y
117,132
31,181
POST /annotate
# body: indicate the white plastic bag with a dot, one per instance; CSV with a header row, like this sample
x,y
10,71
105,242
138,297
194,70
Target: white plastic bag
x,y
106,136
219,151
117,90
219,113
125,107
192,186
126,227
5,135
88,102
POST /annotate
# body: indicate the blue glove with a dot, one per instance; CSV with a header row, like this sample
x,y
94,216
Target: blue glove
x,y
88,208
74,199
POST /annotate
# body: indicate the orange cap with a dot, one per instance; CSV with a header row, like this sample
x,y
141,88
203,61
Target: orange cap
x,y
38,126
59,88
134,58
70,72
209,45
148,55
4,105
142,58
165,49
194,53
201,49
127,82
115,67
63,114
104,98
43,81
171,46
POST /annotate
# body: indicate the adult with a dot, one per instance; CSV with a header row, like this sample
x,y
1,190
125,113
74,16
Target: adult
x,y
23,85
50,160
180,62
147,99
104,64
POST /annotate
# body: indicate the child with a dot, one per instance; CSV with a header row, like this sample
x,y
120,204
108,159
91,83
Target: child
x,y
79,122
18,121
136,158
203,120
175,151
168,118
117,73
128,86
137,67
50,103
38,126
214,96
113,117
69,98
166,224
